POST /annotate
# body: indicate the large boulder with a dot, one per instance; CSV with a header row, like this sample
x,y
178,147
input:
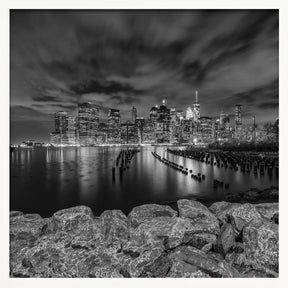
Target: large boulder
x,y
261,242
145,212
114,225
26,227
199,215
203,262
181,269
236,214
170,231
267,210
226,239
70,220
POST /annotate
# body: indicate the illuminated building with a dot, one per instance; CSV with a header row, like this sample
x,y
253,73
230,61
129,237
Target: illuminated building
x,y
154,113
148,132
206,129
238,120
88,122
129,133
163,124
196,108
134,114
113,131
189,113
139,122
72,131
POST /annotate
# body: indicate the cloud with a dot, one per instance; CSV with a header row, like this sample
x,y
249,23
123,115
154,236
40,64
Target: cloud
x,y
122,58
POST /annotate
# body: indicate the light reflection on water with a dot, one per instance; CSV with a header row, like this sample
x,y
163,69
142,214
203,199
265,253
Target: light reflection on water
x,y
45,180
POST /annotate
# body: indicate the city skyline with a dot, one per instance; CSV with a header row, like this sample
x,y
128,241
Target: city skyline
x,y
99,56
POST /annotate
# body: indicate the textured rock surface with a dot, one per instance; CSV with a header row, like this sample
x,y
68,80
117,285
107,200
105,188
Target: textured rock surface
x,y
236,214
199,215
226,239
261,245
151,242
145,212
268,210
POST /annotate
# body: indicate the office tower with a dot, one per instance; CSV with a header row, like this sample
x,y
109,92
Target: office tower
x,y
88,122
238,120
222,118
139,122
149,132
72,135
154,113
59,136
134,114
163,124
114,126
129,133
206,129
187,130
189,113
196,108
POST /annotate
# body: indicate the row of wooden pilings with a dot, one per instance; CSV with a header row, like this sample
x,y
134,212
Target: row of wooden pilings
x,y
245,162
123,160
198,177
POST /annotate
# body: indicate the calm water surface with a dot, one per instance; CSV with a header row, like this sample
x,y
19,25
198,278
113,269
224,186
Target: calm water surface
x,y
45,180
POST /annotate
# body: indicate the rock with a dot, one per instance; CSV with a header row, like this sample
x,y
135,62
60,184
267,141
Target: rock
x,y
275,218
70,220
202,241
236,255
142,265
114,225
24,231
170,231
225,240
181,269
270,193
236,214
251,195
158,268
26,226
211,266
145,212
15,213
261,242
199,215
105,272
232,197
267,210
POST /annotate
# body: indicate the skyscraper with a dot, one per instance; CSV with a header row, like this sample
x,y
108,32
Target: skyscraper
x,y
72,135
238,120
88,122
163,123
196,108
189,113
61,127
114,128
61,122
134,114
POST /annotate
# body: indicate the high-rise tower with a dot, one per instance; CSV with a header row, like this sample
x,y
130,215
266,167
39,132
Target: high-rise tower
x,y
238,120
196,108
134,114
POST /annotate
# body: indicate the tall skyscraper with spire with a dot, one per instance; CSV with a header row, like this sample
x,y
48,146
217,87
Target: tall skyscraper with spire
x,y
134,114
196,108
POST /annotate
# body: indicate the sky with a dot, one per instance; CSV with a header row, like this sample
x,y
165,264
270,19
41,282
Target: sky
x,y
119,59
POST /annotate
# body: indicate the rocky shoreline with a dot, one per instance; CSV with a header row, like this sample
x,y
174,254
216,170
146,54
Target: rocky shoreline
x,y
222,240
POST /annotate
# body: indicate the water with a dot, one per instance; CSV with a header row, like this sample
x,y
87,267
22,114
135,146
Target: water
x,y
45,180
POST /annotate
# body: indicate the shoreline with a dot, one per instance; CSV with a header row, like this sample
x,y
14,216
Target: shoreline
x,y
222,240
